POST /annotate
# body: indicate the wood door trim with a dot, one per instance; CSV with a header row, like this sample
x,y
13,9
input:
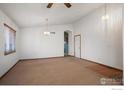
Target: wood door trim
x,y
80,43
9,27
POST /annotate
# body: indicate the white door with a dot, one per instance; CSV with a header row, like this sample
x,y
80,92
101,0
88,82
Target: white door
x,y
77,46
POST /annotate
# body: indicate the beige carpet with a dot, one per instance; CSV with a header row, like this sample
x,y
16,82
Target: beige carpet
x,y
58,71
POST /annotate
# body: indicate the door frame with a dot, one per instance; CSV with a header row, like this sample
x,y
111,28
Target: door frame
x,y
80,44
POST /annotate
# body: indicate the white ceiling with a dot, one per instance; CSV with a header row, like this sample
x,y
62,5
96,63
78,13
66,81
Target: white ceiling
x,y
34,14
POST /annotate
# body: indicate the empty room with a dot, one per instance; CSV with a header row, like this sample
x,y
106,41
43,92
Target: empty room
x,y
61,44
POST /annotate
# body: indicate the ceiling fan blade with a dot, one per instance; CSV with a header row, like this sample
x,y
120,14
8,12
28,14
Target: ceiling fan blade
x,y
68,5
49,5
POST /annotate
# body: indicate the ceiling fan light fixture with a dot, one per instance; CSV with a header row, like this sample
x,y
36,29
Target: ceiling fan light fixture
x,y
49,5
68,5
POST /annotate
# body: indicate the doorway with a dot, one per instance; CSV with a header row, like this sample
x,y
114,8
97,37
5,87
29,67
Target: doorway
x,y
77,46
66,40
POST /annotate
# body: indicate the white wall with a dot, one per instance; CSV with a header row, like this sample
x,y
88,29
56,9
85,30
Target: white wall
x,y
34,44
6,62
102,40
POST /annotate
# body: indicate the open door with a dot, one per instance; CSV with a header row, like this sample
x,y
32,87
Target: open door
x,y
77,46
66,35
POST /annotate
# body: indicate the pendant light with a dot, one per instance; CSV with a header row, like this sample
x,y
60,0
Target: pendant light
x,y
47,33
105,16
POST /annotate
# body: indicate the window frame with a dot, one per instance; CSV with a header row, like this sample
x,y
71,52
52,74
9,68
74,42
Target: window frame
x,y
13,51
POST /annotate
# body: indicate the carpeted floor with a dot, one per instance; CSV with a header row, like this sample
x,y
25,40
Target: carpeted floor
x,y
60,71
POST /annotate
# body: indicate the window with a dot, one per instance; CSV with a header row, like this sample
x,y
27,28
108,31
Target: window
x,y
10,35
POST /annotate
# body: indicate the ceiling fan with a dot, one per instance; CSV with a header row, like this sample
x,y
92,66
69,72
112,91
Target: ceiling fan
x,y
68,5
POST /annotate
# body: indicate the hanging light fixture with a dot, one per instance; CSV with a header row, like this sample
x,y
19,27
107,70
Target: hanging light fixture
x,y
47,33
105,16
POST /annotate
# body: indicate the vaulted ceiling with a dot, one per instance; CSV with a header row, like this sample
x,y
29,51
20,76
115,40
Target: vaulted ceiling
x,y
34,14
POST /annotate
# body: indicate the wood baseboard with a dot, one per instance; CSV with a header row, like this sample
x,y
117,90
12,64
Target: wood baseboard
x,y
103,65
9,69
41,58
